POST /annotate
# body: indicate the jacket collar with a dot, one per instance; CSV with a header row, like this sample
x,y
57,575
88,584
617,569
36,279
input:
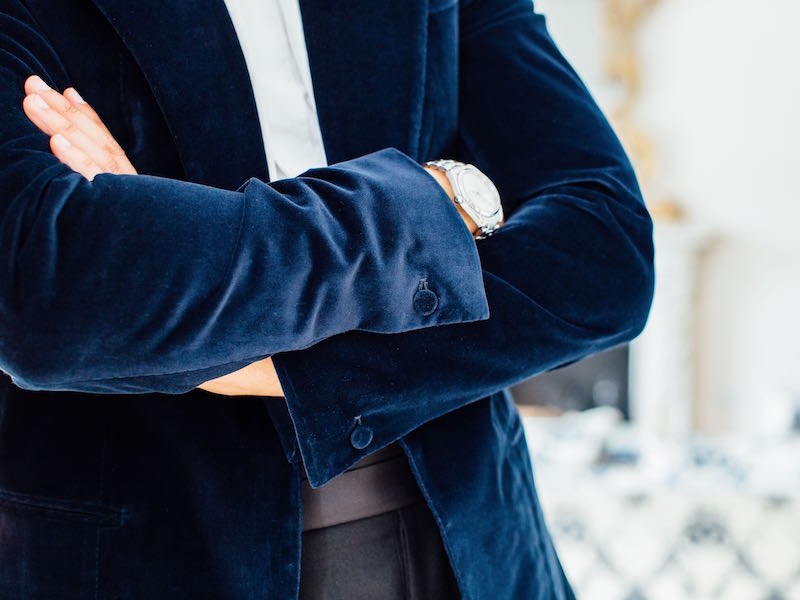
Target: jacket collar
x,y
366,58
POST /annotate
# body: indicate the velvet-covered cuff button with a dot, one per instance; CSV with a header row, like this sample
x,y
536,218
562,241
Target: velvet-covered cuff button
x,y
425,300
361,436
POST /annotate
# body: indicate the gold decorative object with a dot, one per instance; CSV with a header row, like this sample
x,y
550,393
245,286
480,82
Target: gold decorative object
x,y
623,19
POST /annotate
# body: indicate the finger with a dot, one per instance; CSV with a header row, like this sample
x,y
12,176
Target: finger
x,y
35,109
107,153
52,122
35,85
73,157
102,146
84,107
107,138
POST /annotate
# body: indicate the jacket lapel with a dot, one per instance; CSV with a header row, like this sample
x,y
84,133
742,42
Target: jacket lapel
x,y
366,59
190,56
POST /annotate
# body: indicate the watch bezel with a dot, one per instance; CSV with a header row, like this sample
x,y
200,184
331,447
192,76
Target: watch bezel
x,y
459,173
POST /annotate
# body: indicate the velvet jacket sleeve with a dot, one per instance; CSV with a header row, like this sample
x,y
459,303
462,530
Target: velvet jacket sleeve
x,y
570,273
141,283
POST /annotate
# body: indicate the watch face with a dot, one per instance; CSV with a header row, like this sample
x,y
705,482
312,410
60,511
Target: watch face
x,y
480,192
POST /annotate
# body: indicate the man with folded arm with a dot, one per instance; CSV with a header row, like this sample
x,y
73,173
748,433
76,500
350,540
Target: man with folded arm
x,y
268,278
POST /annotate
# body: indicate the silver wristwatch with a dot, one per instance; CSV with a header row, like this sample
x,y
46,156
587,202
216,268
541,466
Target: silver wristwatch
x,y
475,192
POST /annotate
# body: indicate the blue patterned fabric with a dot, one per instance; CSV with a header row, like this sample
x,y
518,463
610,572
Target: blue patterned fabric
x,y
120,479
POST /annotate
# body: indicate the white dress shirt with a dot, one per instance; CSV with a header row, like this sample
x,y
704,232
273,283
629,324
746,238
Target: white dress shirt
x,y
271,36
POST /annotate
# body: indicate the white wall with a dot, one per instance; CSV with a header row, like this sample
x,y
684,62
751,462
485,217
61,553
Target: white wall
x,y
721,99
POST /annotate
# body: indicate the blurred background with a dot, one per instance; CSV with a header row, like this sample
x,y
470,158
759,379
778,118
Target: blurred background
x,y
670,468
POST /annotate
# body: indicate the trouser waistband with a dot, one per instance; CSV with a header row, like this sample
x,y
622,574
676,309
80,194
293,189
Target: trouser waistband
x,y
377,484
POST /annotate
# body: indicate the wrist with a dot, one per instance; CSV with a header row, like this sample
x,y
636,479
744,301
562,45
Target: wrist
x,y
442,179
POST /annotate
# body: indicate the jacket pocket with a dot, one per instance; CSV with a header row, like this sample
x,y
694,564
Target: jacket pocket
x,y
49,547
56,509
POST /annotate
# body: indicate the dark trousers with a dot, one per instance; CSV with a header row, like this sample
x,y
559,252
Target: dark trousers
x,y
396,555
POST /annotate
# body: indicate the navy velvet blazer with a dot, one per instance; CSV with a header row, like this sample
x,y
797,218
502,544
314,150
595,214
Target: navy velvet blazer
x,y
119,479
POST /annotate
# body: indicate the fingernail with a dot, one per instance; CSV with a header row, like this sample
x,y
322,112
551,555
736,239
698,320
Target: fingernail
x,y
39,102
38,84
60,141
74,96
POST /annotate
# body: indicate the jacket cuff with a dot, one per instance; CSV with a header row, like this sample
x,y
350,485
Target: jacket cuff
x,y
282,422
451,290
441,251
325,436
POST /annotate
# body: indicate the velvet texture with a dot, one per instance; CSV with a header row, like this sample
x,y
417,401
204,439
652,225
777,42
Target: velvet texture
x,y
117,477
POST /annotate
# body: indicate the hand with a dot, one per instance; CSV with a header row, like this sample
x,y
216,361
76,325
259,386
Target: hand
x,y
256,379
78,137
445,183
